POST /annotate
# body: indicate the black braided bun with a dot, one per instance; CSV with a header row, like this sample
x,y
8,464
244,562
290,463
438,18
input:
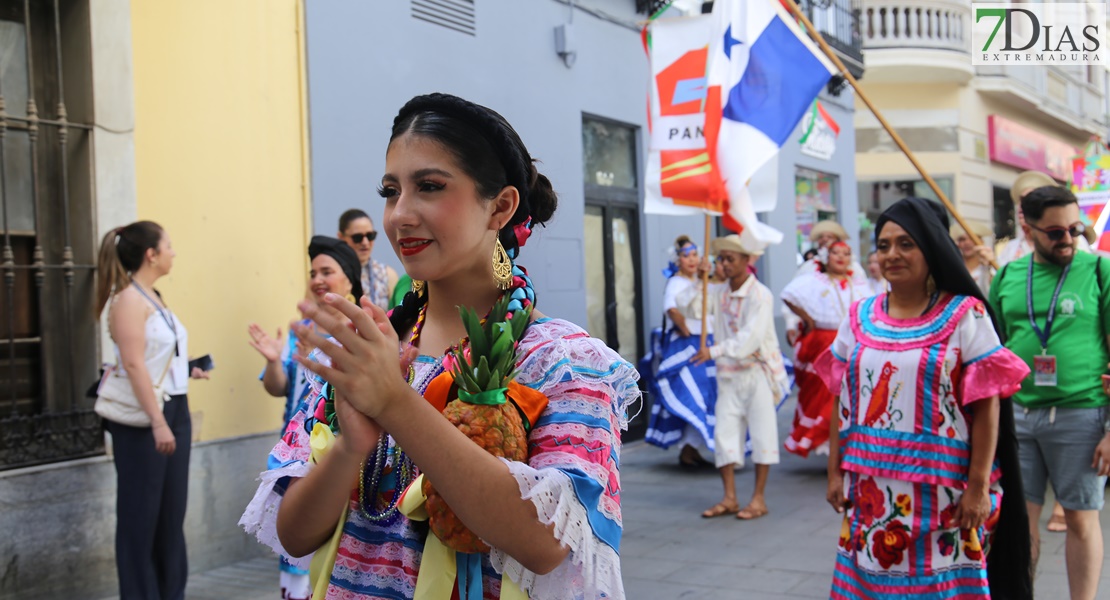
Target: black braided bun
x,y
487,148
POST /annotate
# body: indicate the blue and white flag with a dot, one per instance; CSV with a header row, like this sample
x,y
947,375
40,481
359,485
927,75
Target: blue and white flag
x,y
763,75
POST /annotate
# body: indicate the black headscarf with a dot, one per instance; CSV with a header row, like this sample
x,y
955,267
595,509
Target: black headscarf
x,y
1009,561
344,255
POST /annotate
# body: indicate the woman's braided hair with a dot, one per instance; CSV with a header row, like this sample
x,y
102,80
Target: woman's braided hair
x,y
489,151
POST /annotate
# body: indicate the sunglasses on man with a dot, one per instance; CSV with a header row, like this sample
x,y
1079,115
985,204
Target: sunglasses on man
x,y
1055,234
357,237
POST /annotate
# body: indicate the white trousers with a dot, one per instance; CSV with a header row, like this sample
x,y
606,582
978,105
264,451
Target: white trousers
x,y
745,405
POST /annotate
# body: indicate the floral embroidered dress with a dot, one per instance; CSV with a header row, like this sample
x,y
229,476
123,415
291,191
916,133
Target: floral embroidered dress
x,y
907,391
572,477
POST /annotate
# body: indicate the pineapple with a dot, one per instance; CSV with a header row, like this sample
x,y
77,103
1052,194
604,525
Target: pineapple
x,y
482,411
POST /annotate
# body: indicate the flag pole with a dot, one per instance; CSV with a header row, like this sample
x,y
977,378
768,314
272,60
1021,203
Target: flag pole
x,y
705,285
829,52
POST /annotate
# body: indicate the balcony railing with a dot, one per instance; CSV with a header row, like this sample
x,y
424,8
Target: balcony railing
x,y
925,24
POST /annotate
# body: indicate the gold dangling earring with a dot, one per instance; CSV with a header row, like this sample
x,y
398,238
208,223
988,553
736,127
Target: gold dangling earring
x,y
930,286
502,266
351,298
418,287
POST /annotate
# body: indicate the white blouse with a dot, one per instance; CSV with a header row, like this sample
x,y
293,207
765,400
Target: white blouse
x,y
825,299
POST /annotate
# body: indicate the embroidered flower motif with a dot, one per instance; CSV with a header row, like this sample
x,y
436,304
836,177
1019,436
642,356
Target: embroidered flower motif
x,y
992,519
973,549
871,502
904,504
845,532
889,545
946,516
947,543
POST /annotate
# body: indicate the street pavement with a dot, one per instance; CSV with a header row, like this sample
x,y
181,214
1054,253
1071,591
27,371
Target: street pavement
x,y
669,552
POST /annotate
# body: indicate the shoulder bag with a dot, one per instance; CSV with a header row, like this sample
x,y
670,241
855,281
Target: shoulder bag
x,y
116,400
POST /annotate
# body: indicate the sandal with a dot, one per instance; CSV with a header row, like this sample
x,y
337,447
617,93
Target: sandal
x,y
719,509
748,513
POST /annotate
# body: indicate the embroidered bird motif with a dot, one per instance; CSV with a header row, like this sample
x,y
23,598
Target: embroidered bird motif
x,y
880,396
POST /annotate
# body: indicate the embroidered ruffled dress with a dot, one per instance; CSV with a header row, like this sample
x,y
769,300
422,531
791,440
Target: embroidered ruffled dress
x,y
826,300
684,394
571,477
907,391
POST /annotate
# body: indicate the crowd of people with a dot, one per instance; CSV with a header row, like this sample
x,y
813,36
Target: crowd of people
x,y
946,394
930,380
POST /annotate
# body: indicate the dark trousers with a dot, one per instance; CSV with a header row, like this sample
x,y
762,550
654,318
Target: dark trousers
x,y
151,493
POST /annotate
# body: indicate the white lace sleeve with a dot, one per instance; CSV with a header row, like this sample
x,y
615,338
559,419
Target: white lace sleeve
x,y
572,476
552,493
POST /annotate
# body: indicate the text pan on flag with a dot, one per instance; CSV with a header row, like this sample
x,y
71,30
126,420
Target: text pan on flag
x,y
679,176
763,75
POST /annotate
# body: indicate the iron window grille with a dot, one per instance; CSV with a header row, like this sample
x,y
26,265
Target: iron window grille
x,y
48,333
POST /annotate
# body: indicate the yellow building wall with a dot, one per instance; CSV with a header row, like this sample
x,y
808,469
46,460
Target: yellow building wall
x,y
222,163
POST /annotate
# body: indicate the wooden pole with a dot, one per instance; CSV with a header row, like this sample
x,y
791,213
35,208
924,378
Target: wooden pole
x,y
705,285
829,52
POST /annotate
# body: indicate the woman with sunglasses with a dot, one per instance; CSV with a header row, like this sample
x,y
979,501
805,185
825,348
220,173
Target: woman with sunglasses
x,y
378,280
681,408
923,455
462,197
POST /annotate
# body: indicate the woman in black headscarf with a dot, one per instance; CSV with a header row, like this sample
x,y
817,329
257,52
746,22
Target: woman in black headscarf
x,y
923,442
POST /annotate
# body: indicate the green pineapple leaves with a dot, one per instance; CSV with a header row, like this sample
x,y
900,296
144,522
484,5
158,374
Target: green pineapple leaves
x,y
488,364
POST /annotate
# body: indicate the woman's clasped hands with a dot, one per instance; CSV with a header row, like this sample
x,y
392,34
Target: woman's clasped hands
x,y
364,362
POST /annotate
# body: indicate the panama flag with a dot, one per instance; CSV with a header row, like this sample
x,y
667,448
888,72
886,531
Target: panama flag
x,y
763,76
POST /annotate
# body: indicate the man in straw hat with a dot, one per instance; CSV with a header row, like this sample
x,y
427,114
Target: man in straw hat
x,y
977,259
751,375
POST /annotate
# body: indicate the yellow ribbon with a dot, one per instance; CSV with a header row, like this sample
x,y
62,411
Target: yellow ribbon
x,y
436,578
323,562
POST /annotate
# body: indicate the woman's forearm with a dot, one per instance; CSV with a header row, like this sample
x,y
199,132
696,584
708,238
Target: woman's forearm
x,y
274,380
834,440
477,486
143,387
801,312
313,504
679,321
984,440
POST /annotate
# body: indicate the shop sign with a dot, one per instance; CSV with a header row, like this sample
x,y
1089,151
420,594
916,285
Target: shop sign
x,y
1019,146
820,131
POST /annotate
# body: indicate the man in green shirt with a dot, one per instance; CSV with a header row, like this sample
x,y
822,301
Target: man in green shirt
x,y
1054,308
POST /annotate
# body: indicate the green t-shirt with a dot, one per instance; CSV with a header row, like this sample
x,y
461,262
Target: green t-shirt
x,y
1078,336
402,288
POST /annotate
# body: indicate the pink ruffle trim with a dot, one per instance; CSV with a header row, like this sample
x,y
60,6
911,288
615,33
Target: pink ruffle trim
x,y
998,374
831,370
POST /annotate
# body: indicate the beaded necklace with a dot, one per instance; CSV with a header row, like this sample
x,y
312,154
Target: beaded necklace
x,y
523,295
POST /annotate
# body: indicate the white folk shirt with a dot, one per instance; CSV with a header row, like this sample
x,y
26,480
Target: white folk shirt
x,y
743,330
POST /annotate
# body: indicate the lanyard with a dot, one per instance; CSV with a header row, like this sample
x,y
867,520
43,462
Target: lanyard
x,y
161,312
1043,335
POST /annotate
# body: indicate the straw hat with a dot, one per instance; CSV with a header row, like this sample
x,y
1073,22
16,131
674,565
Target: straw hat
x,y
828,227
978,228
734,243
1029,180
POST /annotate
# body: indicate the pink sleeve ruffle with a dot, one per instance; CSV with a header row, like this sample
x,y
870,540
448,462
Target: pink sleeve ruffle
x,y
830,368
997,373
